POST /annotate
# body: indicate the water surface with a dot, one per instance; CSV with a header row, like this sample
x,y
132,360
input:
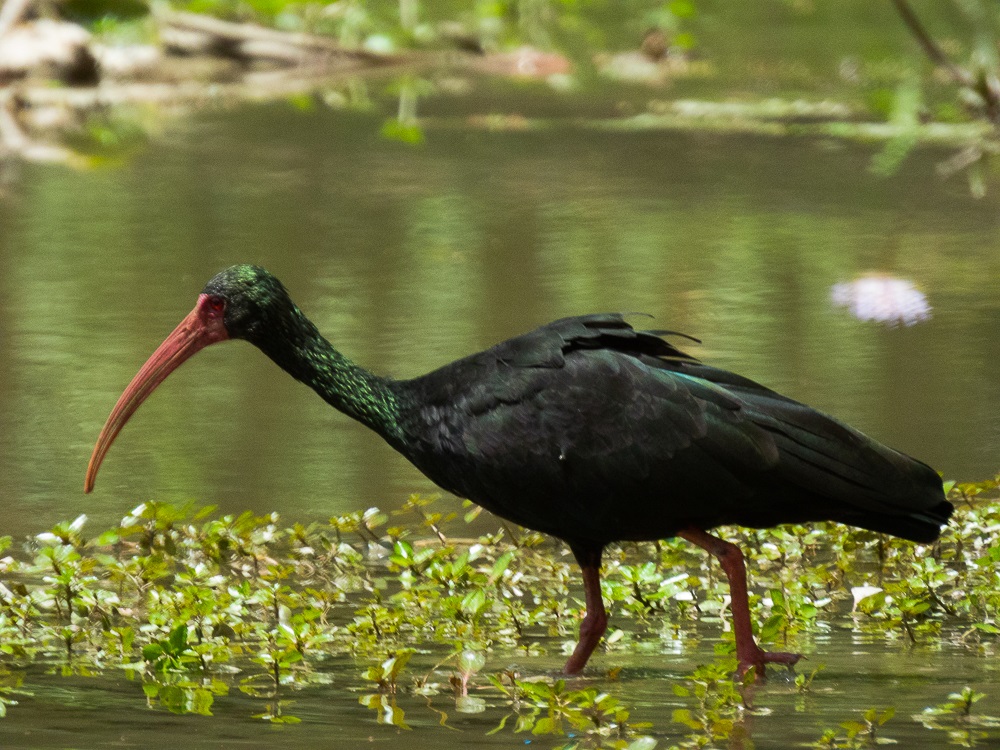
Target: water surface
x,y
858,673
407,258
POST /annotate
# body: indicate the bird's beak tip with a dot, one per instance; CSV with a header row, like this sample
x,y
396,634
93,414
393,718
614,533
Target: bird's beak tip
x,y
202,326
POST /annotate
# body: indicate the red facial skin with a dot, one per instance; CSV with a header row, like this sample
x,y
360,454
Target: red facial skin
x,y
203,326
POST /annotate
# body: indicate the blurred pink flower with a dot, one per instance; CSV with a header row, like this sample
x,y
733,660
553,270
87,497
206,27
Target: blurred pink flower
x,y
883,299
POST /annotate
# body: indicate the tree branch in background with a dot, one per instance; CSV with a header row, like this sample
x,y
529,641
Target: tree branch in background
x,y
984,86
931,48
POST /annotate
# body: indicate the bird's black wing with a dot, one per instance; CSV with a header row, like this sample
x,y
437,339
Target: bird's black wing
x,y
586,427
854,478
548,346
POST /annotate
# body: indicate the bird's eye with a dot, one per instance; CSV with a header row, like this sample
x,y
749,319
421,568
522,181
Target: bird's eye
x,y
216,304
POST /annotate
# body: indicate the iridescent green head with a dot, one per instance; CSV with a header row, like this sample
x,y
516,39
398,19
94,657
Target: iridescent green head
x,y
254,303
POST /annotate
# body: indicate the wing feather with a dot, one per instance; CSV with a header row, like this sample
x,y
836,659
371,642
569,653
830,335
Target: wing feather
x,y
589,429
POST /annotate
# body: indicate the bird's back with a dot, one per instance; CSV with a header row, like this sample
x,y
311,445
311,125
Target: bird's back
x,y
592,431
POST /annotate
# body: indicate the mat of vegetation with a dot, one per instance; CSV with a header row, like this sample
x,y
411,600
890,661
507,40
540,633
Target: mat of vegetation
x,y
192,604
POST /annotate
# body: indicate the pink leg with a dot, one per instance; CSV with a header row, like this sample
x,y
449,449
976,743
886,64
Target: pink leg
x,y
748,652
595,622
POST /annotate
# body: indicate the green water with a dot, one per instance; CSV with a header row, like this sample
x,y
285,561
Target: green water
x,y
858,673
410,257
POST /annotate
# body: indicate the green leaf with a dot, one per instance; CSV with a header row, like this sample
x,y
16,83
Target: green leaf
x,y
474,601
853,727
682,8
685,40
499,727
684,716
545,725
410,133
502,563
178,639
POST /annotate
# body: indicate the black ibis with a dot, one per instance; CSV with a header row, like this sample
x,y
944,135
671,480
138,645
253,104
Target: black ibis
x,y
585,429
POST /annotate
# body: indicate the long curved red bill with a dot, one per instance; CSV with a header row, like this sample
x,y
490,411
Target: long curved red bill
x,y
203,326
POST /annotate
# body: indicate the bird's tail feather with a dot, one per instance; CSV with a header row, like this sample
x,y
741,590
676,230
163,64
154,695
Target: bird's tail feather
x,y
922,526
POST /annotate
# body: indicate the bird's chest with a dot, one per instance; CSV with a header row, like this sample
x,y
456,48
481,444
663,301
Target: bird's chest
x,y
456,451
519,461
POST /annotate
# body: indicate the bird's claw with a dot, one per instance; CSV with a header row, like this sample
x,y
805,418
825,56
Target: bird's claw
x,y
761,658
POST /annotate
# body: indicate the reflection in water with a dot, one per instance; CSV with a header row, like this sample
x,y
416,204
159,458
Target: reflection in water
x,y
882,299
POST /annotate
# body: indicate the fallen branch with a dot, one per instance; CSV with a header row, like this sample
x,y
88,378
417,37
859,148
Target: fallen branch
x,y
253,41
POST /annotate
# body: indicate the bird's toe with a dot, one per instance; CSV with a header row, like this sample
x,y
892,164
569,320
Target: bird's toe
x,y
759,660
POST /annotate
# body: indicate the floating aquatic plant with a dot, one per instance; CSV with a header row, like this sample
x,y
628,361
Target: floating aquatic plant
x,y
193,604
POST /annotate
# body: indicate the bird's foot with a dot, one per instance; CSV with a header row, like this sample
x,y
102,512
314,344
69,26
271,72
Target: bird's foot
x,y
759,658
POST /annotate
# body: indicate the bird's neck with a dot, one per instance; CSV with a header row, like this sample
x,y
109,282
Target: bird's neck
x,y
308,357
